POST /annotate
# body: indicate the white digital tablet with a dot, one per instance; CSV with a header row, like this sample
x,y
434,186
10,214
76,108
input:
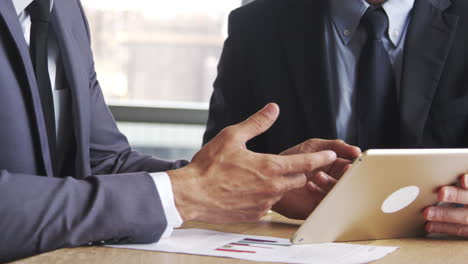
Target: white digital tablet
x,y
383,195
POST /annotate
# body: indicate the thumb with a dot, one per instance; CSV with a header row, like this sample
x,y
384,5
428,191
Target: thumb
x,y
257,123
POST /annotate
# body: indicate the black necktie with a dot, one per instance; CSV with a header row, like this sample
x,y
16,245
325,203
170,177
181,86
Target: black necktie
x,y
39,10
377,104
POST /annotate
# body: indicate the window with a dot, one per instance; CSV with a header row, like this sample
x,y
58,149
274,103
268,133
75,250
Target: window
x,y
155,50
158,53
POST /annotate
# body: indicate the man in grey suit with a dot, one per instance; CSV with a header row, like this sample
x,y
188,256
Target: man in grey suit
x,y
69,178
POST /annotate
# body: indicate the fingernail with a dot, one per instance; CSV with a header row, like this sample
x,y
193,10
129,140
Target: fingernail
x,y
331,155
271,109
310,185
323,177
447,194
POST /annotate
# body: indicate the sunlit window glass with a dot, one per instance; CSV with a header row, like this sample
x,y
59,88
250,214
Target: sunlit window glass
x,y
155,50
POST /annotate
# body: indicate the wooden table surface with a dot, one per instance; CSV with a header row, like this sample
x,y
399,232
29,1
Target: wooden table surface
x,y
411,250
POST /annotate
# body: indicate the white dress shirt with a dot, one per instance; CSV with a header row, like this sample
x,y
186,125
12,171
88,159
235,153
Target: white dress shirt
x,y
62,113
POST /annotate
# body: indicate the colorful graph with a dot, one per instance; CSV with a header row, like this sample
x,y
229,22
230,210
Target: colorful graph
x,y
250,245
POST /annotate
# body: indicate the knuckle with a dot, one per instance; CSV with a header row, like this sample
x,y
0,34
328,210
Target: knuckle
x,y
442,214
227,133
301,181
312,141
271,166
462,232
309,164
340,141
259,120
459,196
275,188
445,215
310,145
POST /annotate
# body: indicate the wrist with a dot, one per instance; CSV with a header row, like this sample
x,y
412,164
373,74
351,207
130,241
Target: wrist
x,y
185,192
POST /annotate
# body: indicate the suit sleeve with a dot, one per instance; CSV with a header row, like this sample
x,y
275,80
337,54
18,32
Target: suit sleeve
x,y
119,204
40,214
229,101
110,152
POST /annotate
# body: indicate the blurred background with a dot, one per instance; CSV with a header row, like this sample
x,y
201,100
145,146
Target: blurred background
x,y
156,62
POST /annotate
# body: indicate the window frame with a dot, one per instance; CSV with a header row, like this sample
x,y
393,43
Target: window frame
x,y
177,113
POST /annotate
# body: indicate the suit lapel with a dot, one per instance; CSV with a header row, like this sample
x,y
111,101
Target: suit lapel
x,y
78,79
8,13
430,37
302,32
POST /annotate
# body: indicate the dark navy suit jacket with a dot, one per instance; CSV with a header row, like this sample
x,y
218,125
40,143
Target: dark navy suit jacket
x,y
40,211
276,52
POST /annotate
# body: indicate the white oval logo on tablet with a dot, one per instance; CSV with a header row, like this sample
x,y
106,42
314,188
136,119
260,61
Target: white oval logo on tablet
x,y
400,199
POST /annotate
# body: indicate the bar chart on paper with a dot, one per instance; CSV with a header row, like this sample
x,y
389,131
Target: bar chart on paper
x,y
252,246
260,248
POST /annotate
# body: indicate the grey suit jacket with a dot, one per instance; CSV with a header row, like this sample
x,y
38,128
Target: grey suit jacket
x,y
108,194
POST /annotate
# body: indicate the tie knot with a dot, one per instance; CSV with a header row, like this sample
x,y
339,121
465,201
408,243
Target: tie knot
x,y
39,10
375,22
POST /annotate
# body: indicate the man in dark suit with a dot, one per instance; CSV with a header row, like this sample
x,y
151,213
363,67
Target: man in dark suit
x,y
375,73
69,178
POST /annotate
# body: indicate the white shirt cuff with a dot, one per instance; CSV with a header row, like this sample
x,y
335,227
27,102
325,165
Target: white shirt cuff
x,y
164,188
